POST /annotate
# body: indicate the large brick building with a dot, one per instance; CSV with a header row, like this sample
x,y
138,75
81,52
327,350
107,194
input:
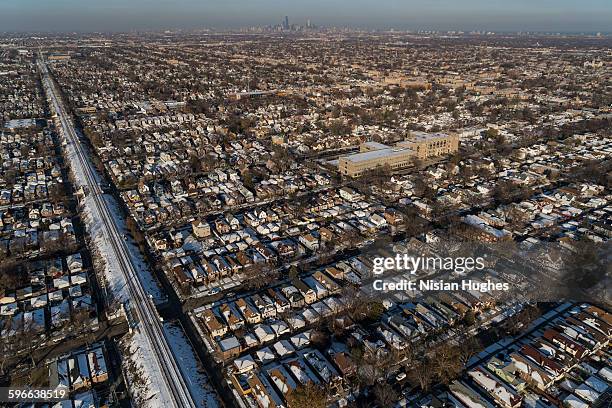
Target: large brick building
x,y
427,145
419,144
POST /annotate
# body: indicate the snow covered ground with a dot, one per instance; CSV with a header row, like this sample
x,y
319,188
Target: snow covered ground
x,y
197,380
142,374
151,371
113,276
145,275
148,386
93,220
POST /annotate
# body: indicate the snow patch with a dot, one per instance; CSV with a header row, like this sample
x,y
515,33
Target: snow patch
x,y
198,382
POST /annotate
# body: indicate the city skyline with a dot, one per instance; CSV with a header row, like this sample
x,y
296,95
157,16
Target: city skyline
x,y
69,15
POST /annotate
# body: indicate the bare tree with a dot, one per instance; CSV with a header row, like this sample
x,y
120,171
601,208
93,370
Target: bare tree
x,y
584,267
307,396
259,275
468,348
385,395
421,373
515,217
445,362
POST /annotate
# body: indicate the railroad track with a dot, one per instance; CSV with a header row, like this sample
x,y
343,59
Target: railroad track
x,y
149,321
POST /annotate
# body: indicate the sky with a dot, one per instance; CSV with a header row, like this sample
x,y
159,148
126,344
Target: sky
x,y
128,15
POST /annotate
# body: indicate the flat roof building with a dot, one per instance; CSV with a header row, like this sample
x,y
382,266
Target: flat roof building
x,y
427,145
356,164
373,154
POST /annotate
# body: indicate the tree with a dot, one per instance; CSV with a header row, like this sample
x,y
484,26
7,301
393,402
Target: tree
x,y
468,348
351,238
515,217
338,127
56,192
80,326
363,307
12,278
373,310
444,211
132,226
259,275
518,322
501,145
293,273
490,133
585,266
247,180
319,339
466,173
307,396
505,191
422,188
373,366
469,319
445,362
282,157
385,395
194,163
413,223
208,163
94,137
594,171
351,297
421,373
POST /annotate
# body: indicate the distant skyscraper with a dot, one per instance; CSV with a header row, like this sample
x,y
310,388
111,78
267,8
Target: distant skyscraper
x,y
308,23
286,23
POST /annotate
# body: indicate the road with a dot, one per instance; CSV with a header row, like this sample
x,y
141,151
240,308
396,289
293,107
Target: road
x,y
177,393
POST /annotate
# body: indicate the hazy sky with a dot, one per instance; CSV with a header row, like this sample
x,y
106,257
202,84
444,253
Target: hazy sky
x,y
125,15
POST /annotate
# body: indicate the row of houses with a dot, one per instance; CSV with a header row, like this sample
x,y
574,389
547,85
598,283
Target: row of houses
x,y
565,363
35,229
56,294
21,98
84,374
173,203
265,339
28,171
269,314
471,181
227,246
